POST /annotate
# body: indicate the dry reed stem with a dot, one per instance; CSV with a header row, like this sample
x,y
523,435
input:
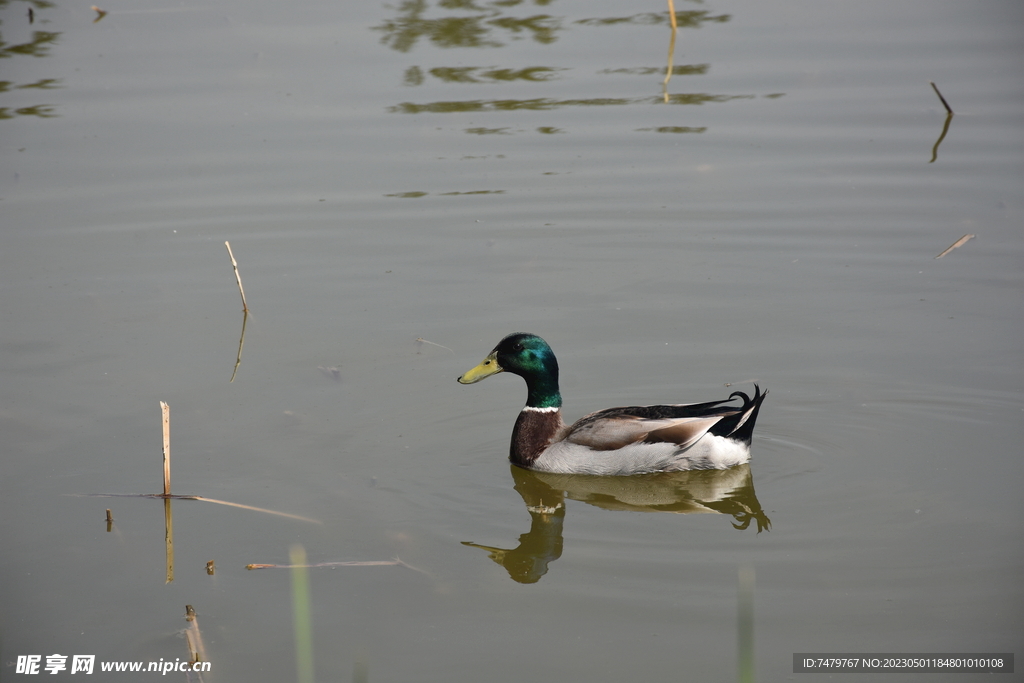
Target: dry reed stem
x,y
241,341
166,412
238,278
959,243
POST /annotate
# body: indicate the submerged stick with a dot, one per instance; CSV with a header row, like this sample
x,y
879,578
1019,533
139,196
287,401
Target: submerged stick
x,y
745,624
941,98
169,539
238,278
301,613
165,410
942,136
193,638
959,243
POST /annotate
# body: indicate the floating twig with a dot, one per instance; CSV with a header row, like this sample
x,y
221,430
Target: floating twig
x,y
99,13
370,563
959,243
421,340
238,278
110,521
211,569
941,98
178,496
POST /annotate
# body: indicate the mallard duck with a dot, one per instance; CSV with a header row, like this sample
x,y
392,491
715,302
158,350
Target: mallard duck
x,y
616,441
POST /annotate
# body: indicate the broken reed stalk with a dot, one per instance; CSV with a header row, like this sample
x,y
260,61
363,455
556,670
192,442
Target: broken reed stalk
x,y
959,243
238,278
672,14
166,412
941,98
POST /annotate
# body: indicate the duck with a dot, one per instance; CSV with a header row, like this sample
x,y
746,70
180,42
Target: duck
x,y
616,441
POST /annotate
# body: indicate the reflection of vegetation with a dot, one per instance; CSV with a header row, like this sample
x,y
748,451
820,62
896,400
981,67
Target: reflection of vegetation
x,y
683,19
468,30
39,46
547,103
407,195
477,74
417,195
702,98
481,74
537,104
474,28
486,23
680,70
673,129
43,111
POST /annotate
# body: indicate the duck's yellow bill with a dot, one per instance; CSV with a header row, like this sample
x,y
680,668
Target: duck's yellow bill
x,y
488,367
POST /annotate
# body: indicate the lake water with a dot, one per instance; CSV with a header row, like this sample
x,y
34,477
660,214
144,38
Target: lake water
x,y
452,172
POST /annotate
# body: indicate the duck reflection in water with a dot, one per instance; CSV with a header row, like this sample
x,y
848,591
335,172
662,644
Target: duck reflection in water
x,y
726,492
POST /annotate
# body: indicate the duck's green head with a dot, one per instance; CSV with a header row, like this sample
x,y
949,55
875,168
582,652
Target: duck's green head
x,y
528,356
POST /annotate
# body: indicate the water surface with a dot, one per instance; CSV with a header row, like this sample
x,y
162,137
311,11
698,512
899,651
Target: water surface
x,y
455,172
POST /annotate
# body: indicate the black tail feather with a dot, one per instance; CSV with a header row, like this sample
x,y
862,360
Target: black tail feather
x,y
740,427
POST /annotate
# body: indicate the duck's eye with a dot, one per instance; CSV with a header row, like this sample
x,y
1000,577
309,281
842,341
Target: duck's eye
x,y
517,347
